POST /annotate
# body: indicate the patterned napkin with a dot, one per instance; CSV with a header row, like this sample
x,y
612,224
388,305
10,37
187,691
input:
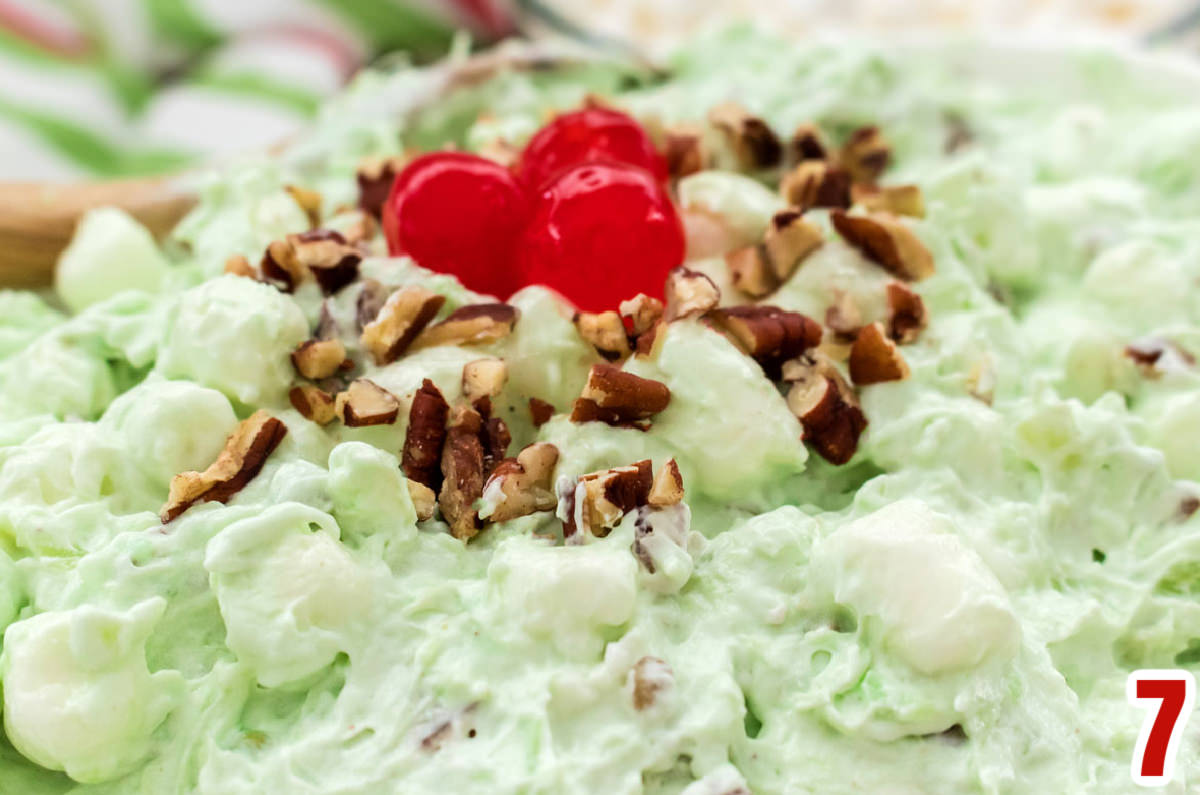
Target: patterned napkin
x,y
100,89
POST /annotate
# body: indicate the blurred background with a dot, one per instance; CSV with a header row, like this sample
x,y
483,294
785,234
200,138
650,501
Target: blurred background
x,y
104,89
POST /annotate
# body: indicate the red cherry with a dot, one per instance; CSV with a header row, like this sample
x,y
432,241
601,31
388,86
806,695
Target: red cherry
x,y
601,233
584,136
460,214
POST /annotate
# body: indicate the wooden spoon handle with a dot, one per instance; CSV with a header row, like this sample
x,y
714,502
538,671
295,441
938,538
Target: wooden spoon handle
x,y
38,219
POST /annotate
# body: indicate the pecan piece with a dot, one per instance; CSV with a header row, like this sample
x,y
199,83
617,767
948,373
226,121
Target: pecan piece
x,y
806,144
641,313
753,142
906,317
685,150
601,499
1155,356
238,265
522,485
815,183
477,324
618,398
313,403
307,200
844,318
328,257
789,240
605,332
375,177
423,499
689,294
462,472
874,358
750,271
245,452
422,455
866,154
400,321
540,411
281,267
370,301
667,488
317,359
768,334
895,199
886,240
483,379
365,402
826,406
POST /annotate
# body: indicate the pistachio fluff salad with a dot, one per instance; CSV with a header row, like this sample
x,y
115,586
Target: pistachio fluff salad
x,y
886,490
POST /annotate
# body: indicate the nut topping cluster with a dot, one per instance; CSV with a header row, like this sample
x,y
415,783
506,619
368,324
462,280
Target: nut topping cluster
x,y
595,503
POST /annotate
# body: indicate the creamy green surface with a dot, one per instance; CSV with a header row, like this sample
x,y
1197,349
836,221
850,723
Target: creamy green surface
x,y
956,610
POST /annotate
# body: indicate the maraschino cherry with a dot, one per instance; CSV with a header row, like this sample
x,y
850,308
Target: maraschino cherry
x,y
600,233
583,136
461,214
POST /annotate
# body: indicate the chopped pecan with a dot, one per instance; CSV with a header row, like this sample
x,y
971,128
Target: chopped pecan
x,y
866,154
317,359
238,265
605,332
601,499
483,378
375,178
370,301
685,150
750,271
1155,356
399,322
874,358
463,472
423,499
768,334
667,488
540,411
753,142
689,294
327,325
616,397
641,313
477,324
307,200
806,144
789,240
522,485
647,342
422,455
844,318
815,183
826,406
906,317
328,257
895,199
886,240
245,452
495,438
281,267
366,403
313,403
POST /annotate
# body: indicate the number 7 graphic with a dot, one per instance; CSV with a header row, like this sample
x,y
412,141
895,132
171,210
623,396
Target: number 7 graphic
x,y
1170,694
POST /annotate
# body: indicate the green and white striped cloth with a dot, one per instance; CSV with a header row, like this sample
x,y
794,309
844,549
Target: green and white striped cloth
x,y
103,89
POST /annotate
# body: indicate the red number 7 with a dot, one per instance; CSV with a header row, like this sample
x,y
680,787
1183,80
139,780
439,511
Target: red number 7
x,y
1170,694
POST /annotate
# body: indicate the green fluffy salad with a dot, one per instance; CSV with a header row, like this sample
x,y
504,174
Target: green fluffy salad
x,y
891,495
